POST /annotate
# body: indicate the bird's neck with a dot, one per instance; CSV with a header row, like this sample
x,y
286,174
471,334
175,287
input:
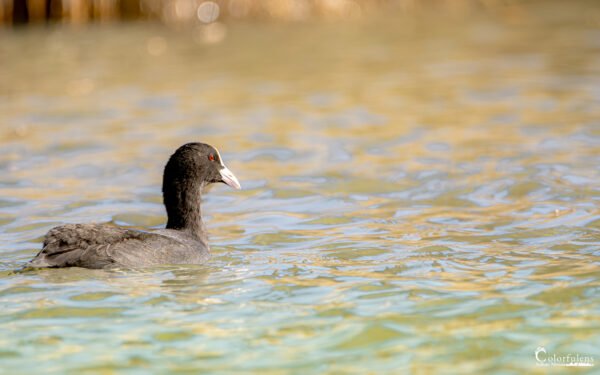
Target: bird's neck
x,y
183,209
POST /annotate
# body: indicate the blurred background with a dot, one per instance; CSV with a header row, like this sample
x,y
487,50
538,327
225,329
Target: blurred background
x,y
181,12
420,183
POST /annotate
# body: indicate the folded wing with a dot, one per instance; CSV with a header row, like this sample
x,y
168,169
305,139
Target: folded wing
x,y
103,246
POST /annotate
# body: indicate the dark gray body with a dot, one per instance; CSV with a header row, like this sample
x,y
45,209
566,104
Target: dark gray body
x,y
183,241
108,246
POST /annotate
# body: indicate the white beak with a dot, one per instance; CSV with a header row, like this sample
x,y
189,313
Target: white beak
x,y
229,178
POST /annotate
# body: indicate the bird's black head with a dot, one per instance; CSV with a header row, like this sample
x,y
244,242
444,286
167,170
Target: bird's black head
x,y
191,167
198,163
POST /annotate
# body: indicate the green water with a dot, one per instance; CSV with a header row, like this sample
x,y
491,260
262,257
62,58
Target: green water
x,y
421,194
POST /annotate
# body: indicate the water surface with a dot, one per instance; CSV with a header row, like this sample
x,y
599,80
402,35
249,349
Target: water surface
x,y
420,194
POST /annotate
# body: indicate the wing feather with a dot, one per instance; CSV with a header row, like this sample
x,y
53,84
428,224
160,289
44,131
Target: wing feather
x,y
85,245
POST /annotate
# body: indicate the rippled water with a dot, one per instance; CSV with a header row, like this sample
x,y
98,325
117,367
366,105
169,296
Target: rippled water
x,y
420,195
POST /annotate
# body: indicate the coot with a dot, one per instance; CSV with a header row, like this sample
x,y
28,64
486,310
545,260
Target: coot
x,y
183,241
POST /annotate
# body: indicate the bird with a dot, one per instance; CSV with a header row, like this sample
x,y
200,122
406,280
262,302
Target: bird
x,y
183,241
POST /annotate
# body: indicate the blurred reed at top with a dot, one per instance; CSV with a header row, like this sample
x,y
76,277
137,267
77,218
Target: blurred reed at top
x,y
185,12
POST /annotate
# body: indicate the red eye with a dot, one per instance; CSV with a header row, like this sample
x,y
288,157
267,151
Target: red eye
x,y
211,157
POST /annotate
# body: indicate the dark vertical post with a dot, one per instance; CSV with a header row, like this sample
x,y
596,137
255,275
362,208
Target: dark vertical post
x,y
20,12
48,10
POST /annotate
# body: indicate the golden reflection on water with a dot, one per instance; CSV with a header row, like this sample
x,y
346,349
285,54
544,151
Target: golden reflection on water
x,y
419,196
